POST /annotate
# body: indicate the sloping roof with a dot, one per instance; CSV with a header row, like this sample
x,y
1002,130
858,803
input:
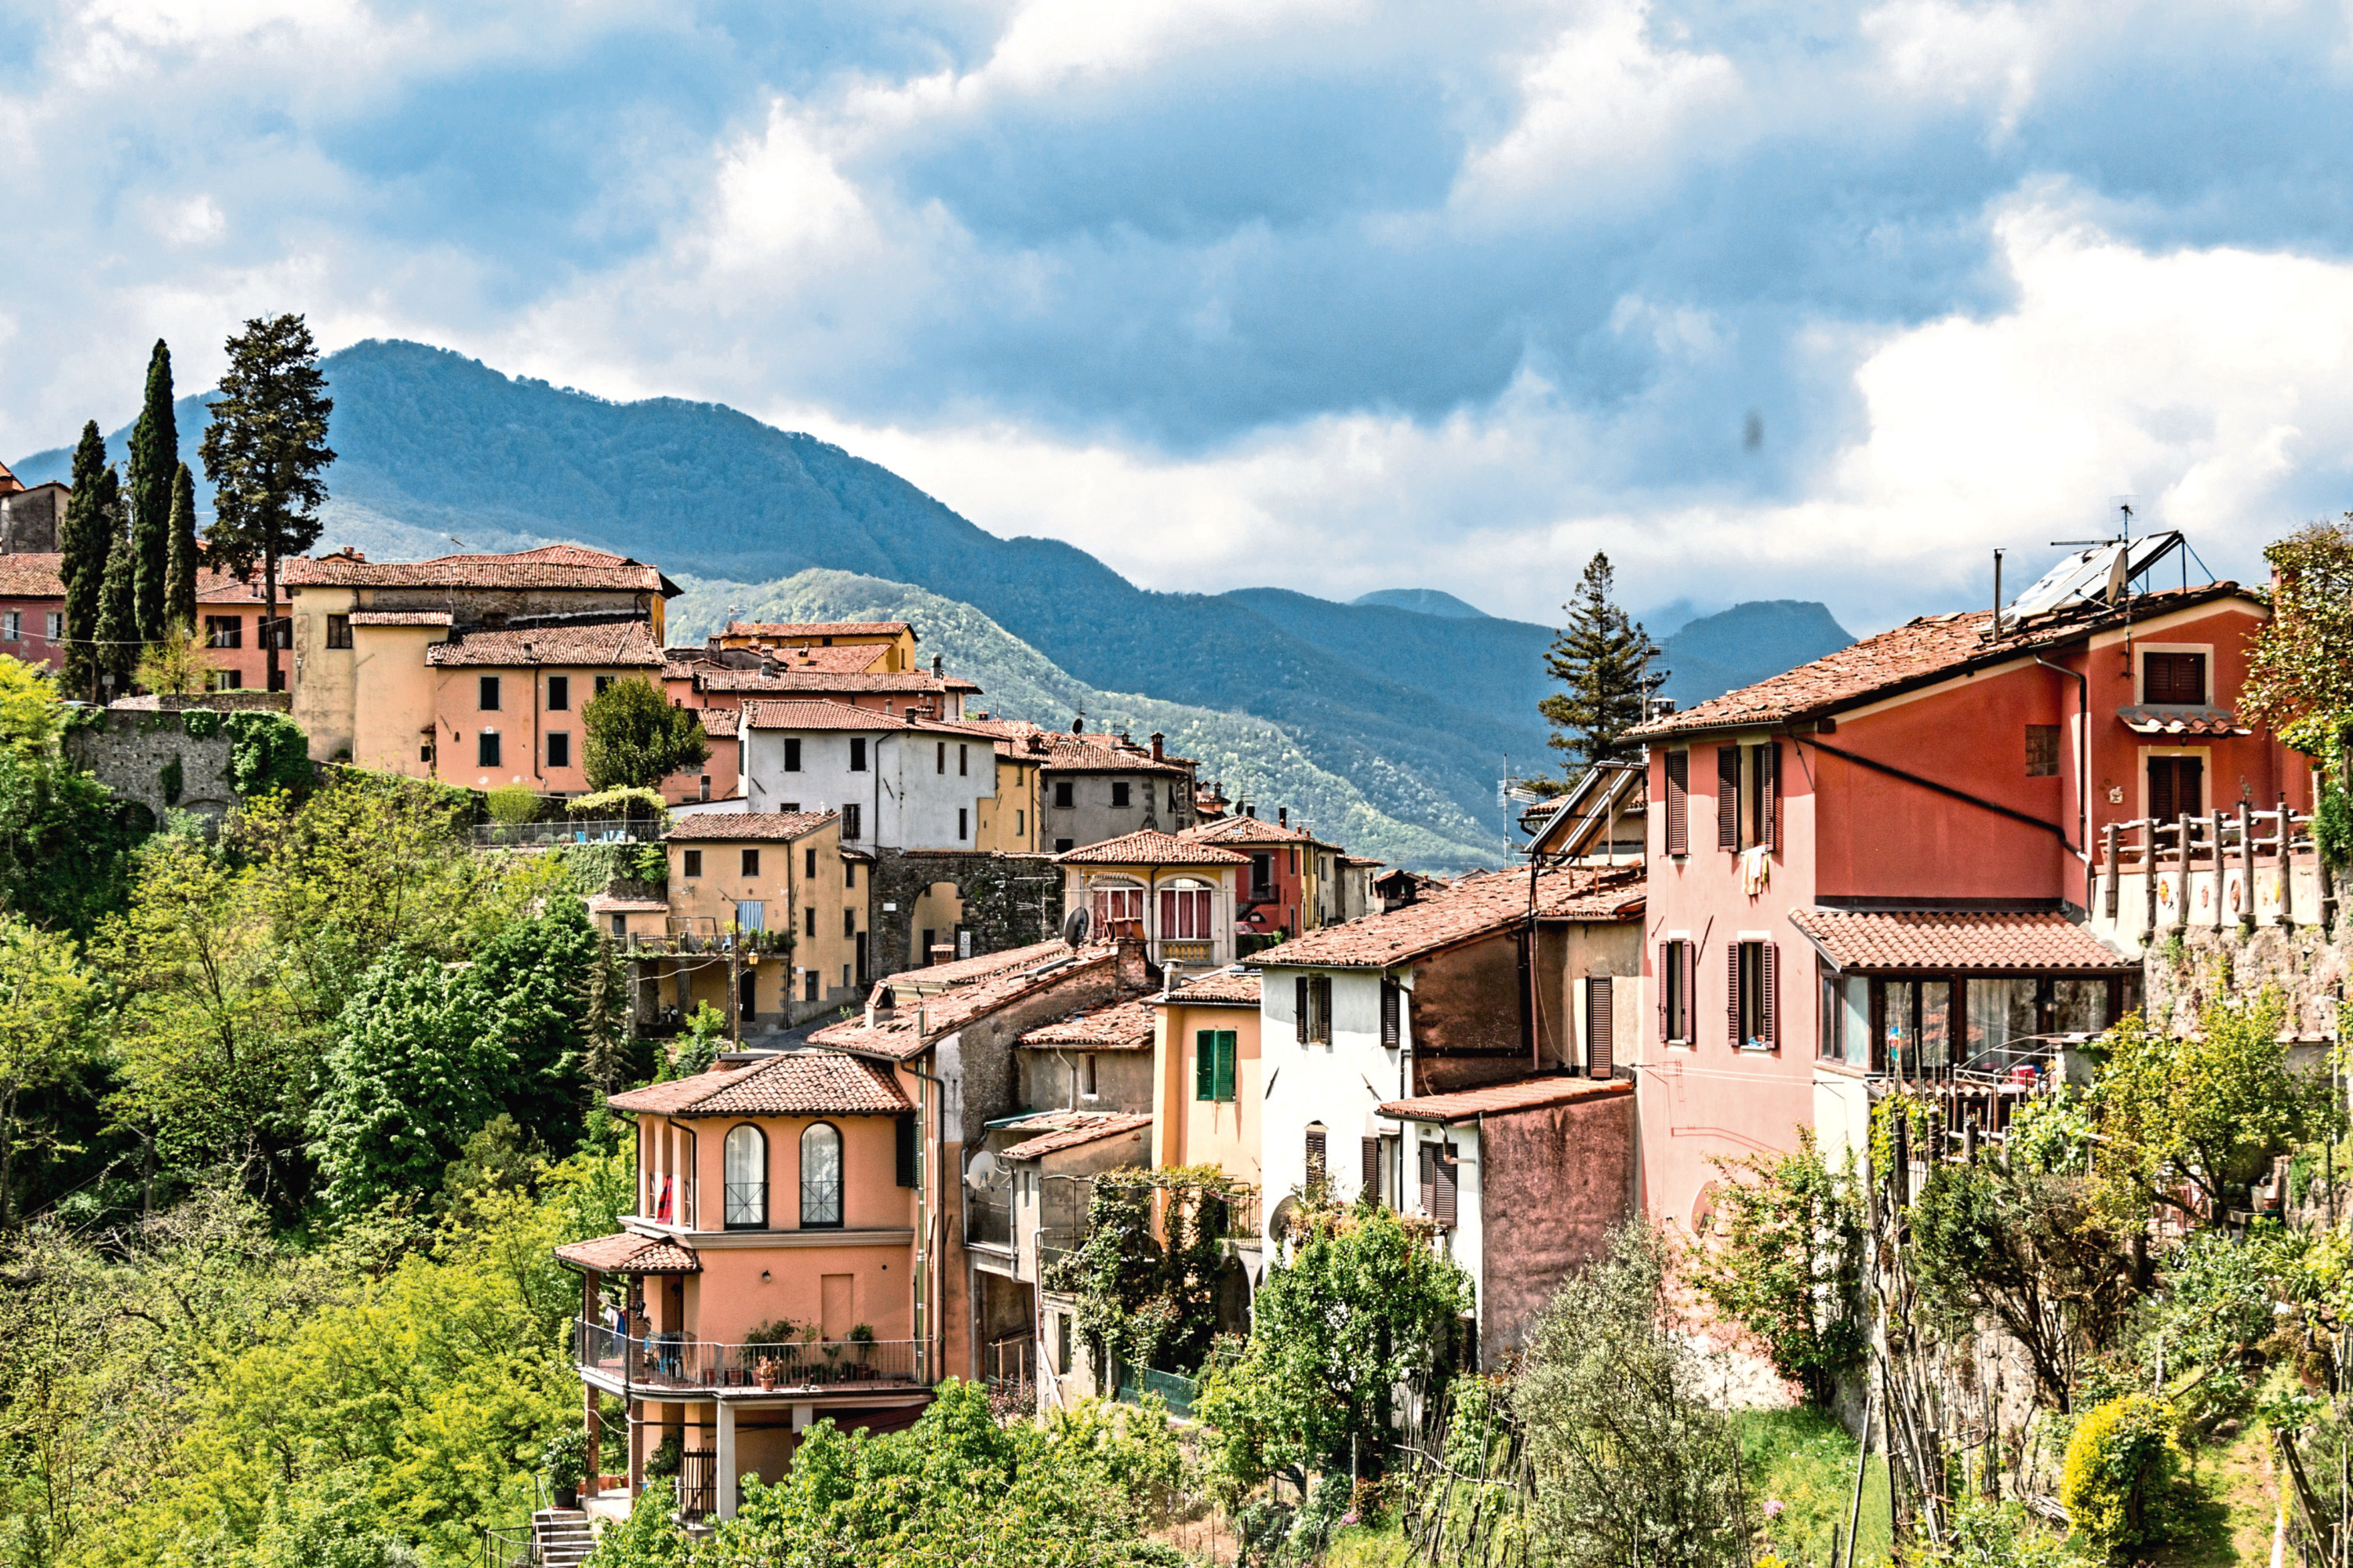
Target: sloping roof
x,y
1919,653
1124,1026
2207,721
820,716
626,643
549,566
755,827
1089,752
851,657
799,678
1471,908
33,575
720,723
1246,830
776,628
403,618
9,484
1224,988
899,1036
795,1083
1942,941
607,904
1150,846
1069,1129
629,1253
1495,1099
935,977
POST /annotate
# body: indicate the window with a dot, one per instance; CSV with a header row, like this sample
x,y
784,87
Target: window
x,y
1369,1158
1114,904
857,754
1062,794
339,631
745,1156
964,815
221,631
1677,1016
486,749
2175,680
603,682
1062,1342
963,761
1312,1009
821,1177
747,1003
620,925
1600,1027
849,922
12,625
2177,786
1213,1065
706,787
1184,913
559,694
274,631
808,921
1679,802
559,749
942,766
751,914
808,978
1748,797
849,873
487,697
1318,1174
1063,846
1751,1010
2043,751
905,1153
792,754
1438,1182
691,863
1262,875
1020,822
850,826
53,625
1087,1075
226,680
1119,793
278,679
789,807
751,863
809,866
1392,1015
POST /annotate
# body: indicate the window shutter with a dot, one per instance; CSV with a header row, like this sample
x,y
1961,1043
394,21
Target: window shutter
x,y
1727,798
1317,1169
1371,1149
1299,1015
1222,1087
1445,1209
1666,969
1599,1035
1429,1179
1687,1025
1731,992
1769,1002
1679,802
1768,805
1391,1015
1205,1064
906,1150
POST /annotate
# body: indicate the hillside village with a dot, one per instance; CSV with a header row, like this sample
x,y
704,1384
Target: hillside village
x,y
949,1060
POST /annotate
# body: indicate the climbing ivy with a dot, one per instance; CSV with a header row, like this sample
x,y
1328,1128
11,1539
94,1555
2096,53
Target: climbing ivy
x,y
267,753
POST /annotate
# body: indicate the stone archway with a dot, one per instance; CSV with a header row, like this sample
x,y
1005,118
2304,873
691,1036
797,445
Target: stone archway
x,y
937,913
1006,900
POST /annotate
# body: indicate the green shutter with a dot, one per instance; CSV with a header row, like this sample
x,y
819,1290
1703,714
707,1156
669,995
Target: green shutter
x,y
1225,1085
1204,1065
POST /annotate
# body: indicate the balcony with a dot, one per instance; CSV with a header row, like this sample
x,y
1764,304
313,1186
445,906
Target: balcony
x,y
987,1223
675,1363
2217,869
513,836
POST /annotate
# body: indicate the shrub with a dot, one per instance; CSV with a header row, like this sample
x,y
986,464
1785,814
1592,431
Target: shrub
x,y
565,1458
268,752
513,803
2119,1475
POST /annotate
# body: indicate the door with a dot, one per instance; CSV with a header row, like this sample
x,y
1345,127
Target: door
x,y
2177,786
748,1002
751,915
838,1298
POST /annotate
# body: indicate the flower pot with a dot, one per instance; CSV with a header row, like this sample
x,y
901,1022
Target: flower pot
x,y
567,1496
765,1373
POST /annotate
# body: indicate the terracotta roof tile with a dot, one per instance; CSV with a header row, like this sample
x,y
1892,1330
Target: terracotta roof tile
x,y
1105,753
1946,940
867,682
1471,908
2207,721
1123,1026
898,1037
1224,987
629,1253
1492,1099
607,904
964,972
1919,653
403,618
760,827
821,716
795,1083
1246,830
775,629
719,722
32,575
550,566
1150,846
608,643
1070,1130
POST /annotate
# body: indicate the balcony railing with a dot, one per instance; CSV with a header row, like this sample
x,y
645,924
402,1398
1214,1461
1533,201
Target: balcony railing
x,y
507,834
987,1223
799,1366
1186,951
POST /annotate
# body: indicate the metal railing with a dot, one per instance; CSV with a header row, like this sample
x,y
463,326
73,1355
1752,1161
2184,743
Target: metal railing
x,y
674,1361
608,831
698,1484
509,1546
747,1205
987,1223
1177,1393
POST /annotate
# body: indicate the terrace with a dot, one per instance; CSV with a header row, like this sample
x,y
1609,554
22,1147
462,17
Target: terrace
x,y
2216,869
804,1367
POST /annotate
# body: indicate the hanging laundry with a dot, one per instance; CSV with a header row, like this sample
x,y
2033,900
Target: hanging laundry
x,y
1755,868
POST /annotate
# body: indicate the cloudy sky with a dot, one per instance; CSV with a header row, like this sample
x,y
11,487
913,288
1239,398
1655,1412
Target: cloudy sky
x,y
1790,299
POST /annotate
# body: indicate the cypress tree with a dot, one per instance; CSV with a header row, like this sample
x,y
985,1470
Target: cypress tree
x,y
83,541
180,574
154,454
118,608
265,451
1600,658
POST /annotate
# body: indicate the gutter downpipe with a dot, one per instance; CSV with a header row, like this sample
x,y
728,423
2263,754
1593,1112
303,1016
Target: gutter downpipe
x,y
2083,769
934,1269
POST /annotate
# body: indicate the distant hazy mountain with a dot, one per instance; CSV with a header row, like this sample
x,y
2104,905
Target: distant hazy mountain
x,y
1422,601
1397,719
1744,644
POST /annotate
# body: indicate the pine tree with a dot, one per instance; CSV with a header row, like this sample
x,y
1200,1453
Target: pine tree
x,y
83,543
264,452
155,457
606,1021
1601,659
118,606
180,574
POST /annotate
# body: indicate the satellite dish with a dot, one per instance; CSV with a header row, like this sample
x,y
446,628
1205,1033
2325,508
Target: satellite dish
x,y
1075,925
987,1173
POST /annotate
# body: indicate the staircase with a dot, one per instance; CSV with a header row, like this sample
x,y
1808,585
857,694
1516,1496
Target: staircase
x,y
561,1537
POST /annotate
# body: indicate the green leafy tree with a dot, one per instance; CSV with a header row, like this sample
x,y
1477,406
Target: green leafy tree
x,y
174,662
154,459
118,617
634,737
65,844
608,1058
1364,1305
2300,666
46,997
1146,1275
83,541
528,987
1602,661
180,565
32,714
1784,1260
1630,1462
265,452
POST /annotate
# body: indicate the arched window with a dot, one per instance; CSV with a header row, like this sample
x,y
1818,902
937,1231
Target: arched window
x,y
747,1179
1185,911
821,1177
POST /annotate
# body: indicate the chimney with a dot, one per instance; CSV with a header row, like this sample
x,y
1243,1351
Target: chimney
x,y
1135,968
939,667
767,665
1078,724
1158,740
1283,816
710,643
1249,809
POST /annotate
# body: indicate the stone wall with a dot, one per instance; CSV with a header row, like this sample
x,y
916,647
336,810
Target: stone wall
x,y
148,755
2307,964
1009,900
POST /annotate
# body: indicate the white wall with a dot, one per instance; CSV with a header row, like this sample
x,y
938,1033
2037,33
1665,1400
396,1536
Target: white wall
x,y
1338,1085
904,801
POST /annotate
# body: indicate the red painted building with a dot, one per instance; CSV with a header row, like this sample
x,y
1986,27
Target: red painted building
x,y
1880,862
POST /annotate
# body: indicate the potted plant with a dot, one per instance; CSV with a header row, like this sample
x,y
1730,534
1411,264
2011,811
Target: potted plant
x,y
764,1348
862,1343
566,1459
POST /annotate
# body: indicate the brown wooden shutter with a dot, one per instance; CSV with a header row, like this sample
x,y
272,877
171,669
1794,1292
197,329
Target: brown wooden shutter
x,y
1731,992
1444,1210
1687,1026
1371,1151
1768,795
1727,798
1299,1017
1316,1168
1599,1032
1428,1178
1769,1002
1679,802
1666,967
1391,1015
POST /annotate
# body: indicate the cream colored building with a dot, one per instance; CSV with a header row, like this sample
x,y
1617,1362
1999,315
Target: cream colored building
x,y
765,903
1176,895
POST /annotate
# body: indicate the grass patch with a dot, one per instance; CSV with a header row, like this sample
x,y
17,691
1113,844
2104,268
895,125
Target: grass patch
x,y
1804,1460
1360,1546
